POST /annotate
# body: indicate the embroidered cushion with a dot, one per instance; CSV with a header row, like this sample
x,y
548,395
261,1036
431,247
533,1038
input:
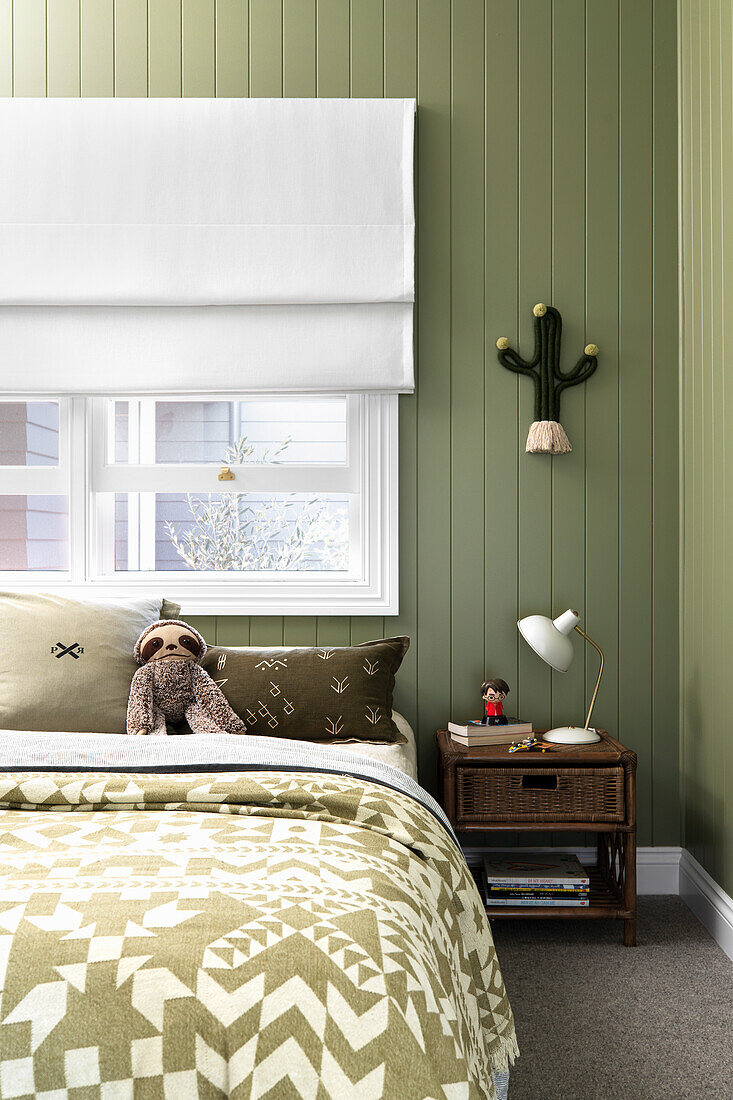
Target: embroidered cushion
x,y
324,693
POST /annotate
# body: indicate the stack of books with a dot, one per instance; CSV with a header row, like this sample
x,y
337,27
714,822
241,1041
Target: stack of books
x,y
527,880
475,733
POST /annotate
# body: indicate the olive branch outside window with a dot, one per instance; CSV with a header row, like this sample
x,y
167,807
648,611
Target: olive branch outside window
x,y
229,533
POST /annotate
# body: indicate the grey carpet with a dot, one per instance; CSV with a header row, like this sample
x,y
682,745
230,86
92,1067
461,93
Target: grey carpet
x,y
598,1021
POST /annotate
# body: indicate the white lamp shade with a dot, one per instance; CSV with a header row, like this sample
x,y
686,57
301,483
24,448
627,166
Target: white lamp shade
x,y
549,637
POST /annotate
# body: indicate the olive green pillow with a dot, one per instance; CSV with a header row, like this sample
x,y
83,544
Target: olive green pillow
x,y
67,664
339,693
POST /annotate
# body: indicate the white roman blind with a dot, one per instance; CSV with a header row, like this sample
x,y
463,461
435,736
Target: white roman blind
x,y
213,245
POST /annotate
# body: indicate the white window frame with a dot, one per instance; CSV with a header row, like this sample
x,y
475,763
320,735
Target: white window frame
x,y
370,587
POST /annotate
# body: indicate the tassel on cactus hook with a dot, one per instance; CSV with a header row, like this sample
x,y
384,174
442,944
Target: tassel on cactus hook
x,y
546,434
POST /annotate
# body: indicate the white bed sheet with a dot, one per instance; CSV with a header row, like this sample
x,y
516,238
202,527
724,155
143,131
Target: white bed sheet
x,y
403,756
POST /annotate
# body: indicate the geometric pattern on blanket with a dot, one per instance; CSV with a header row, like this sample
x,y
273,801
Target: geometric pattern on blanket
x,y
239,935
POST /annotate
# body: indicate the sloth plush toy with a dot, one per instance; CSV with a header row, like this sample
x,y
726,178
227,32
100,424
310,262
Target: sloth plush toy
x,y
172,685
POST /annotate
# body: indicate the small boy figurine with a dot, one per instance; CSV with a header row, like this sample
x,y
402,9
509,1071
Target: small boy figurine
x,y
494,692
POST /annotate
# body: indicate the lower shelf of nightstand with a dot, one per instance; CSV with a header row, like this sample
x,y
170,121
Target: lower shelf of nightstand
x,y
604,902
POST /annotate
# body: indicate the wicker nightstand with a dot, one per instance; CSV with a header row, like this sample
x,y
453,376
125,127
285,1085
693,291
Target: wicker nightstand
x,y
573,788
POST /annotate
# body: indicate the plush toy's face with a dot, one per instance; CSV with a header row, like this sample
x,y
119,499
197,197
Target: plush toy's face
x,y
173,640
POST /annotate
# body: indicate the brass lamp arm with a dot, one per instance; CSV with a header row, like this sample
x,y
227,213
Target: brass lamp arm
x,y
600,673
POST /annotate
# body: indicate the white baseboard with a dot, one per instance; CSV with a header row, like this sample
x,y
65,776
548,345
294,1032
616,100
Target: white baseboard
x,y
658,870
664,871
708,901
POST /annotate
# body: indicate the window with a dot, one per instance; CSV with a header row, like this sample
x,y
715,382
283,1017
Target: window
x,y
257,505
34,497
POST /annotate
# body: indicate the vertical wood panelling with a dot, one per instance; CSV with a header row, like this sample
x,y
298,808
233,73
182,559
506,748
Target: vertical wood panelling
x,y
535,285
299,48
706,70
635,389
197,31
62,48
131,47
665,563
568,287
332,630
434,348
29,47
467,355
726,474
531,116
367,49
686,369
503,434
689,75
702,732
97,48
715,435
332,48
711,491
233,630
693,683
206,626
601,398
697,665
232,47
687,282
703,491
265,48
300,630
266,630
164,47
365,628
569,77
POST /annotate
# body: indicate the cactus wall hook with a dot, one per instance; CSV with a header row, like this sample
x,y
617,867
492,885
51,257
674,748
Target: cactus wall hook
x,y
547,435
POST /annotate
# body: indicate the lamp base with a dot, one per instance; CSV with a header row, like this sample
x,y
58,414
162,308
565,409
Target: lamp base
x,y
571,735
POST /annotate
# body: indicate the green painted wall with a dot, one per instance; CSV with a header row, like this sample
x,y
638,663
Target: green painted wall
x,y
706,90
546,164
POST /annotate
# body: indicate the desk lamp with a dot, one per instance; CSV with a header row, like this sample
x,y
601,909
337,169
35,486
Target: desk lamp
x,y
550,640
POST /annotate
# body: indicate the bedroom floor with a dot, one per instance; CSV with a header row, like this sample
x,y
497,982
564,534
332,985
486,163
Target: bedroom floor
x,y
598,1021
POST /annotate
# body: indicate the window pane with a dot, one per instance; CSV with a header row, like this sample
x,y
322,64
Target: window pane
x,y
302,430
34,532
193,431
229,532
29,433
310,430
121,433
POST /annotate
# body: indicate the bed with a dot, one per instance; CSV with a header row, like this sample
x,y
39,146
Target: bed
x,y
238,917
402,755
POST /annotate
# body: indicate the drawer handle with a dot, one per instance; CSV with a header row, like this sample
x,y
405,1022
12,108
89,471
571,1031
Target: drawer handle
x,y
539,782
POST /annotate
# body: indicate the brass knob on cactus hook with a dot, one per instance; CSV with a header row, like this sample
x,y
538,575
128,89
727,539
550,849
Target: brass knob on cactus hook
x,y
540,309
502,343
591,349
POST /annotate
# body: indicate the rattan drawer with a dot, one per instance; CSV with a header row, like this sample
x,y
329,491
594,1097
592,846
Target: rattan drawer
x,y
486,794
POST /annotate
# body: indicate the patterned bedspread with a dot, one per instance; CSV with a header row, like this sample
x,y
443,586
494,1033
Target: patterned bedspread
x,y
265,933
